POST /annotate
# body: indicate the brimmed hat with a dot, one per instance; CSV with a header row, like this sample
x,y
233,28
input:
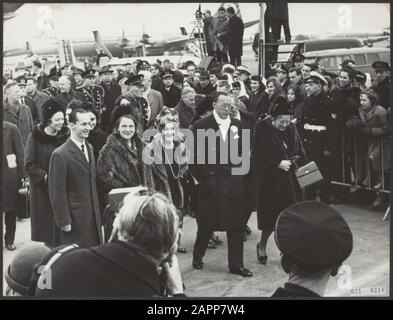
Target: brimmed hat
x,y
167,74
313,234
316,77
244,69
135,80
204,75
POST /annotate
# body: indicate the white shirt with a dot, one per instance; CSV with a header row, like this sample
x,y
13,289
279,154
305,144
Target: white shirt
x,y
79,145
223,124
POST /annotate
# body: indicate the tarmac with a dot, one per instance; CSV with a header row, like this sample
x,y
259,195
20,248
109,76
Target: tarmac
x,y
365,273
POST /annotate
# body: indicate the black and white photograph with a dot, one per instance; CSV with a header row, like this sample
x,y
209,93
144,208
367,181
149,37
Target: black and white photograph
x,y
196,150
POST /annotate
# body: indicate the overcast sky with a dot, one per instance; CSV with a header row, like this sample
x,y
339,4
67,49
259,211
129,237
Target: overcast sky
x,y
72,21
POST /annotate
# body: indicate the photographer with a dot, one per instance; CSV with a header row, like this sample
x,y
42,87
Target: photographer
x,y
138,261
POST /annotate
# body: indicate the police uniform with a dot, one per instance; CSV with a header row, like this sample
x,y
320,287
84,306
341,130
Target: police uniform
x,y
51,91
314,236
382,88
319,132
93,94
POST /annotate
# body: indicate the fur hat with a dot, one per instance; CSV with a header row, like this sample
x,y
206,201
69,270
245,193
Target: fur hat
x,y
49,108
281,107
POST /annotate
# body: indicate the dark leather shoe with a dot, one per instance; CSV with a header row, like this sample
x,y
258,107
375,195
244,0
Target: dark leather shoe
x,y
261,259
181,250
10,246
211,244
197,264
217,240
241,272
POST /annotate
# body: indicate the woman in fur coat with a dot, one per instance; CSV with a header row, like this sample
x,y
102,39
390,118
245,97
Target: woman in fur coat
x,y
168,158
44,139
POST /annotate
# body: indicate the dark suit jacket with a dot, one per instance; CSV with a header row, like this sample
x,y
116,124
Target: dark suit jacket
x,y
73,194
222,203
111,270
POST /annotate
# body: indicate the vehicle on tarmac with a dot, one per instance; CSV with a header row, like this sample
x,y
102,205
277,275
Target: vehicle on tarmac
x,y
330,60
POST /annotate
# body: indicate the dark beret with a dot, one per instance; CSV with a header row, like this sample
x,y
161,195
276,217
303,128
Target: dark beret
x,y
313,234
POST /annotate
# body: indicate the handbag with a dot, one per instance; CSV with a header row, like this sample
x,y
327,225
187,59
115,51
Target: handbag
x,y
308,175
23,201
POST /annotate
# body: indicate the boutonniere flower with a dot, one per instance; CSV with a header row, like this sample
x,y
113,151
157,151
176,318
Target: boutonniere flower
x,y
235,131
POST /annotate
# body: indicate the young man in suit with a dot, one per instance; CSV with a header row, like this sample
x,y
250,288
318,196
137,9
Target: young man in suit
x,y
72,186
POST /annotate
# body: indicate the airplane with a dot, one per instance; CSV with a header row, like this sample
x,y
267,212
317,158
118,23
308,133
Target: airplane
x,y
10,10
122,47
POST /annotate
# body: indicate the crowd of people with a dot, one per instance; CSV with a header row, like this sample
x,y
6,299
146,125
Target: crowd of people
x,y
75,135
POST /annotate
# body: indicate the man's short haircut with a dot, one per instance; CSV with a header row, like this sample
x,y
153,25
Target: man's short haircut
x,y
222,9
73,118
297,70
218,94
231,10
186,91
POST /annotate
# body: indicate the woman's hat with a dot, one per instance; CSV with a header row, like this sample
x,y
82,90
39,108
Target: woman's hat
x,y
281,107
49,108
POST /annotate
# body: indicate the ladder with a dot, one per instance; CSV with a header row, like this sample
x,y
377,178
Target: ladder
x,y
66,52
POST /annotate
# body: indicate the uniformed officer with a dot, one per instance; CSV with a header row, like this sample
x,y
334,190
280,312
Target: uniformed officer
x,y
77,74
314,241
169,91
318,131
93,94
382,86
53,89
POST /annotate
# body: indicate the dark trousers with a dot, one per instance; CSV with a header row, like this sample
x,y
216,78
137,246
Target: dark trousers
x,y
276,29
235,247
235,58
10,226
221,56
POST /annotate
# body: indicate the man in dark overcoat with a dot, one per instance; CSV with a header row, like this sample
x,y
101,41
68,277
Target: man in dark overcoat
x,y
235,37
12,173
169,91
67,93
222,200
319,132
112,91
72,186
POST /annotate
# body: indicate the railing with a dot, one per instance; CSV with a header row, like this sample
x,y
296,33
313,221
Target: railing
x,y
355,162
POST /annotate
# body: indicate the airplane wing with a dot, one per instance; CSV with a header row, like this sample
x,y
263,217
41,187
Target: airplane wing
x,y
9,10
250,23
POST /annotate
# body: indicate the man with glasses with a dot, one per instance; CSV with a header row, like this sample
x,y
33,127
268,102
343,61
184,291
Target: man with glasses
x,y
222,204
318,131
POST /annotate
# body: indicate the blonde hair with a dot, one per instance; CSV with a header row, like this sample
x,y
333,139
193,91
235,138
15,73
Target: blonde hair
x,y
149,222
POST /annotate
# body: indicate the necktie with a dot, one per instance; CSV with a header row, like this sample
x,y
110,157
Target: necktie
x,y
83,150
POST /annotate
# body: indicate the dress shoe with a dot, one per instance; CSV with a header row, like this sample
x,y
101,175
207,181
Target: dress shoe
x,y
211,244
217,240
181,250
10,246
247,230
241,272
261,259
197,264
